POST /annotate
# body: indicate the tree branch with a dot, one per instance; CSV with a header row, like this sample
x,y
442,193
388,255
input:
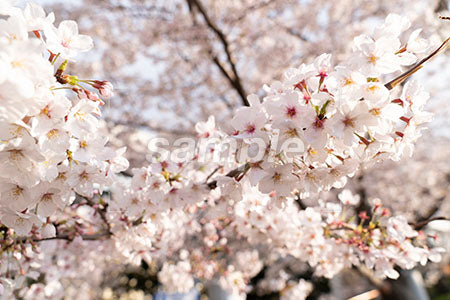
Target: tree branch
x,y
234,79
424,219
402,77
234,83
251,9
442,5
67,237
300,202
102,212
233,174
294,32
422,224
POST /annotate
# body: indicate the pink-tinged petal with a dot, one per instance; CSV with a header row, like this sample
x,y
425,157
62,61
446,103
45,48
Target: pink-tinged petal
x,y
20,223
46,206
81,43
67,29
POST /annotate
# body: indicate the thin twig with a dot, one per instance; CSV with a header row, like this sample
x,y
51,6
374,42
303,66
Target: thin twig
x,y
212,173
396,81
234,79
101,212
422,224
233,174
68,237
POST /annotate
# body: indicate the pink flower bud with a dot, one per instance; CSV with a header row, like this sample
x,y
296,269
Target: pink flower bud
x,y
363,216
91,96
105,88
80,93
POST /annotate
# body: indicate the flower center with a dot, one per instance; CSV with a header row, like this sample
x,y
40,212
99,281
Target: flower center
x,y
372,88
373,59
250,128
83,144
66,43
375,111
318,123
52,133
291,112
84,175
16,64
80,115
17,191
47,197
348,122
292,132
348,81
15,155
276,177
46,111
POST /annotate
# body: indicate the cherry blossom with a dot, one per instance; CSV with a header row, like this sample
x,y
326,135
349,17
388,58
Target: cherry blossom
x,y
66,195
65,39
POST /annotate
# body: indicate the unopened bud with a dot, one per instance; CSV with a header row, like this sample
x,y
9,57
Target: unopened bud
x,y
48,231
91,96
105,88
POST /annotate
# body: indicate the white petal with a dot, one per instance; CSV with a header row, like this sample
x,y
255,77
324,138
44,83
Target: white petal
x,y
67,29
81,43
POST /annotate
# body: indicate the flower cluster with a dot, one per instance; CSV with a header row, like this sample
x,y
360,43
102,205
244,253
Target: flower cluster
x,y
330,239
343,116
50,148
299,290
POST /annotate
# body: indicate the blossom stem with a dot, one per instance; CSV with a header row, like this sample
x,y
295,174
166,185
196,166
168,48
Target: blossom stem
x,y
56,57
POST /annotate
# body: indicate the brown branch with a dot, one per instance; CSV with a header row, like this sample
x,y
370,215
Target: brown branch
x,y
212,173
233,173
70,237
102,212
420,225
398,80
429,214
251,9
234,83
293,32
300,202
235,79
442,5
63,236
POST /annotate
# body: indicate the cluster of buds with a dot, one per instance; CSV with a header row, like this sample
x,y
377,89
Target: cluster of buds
x,y
105,88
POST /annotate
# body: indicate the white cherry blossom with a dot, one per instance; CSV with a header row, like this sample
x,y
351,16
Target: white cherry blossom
x,y
66,40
